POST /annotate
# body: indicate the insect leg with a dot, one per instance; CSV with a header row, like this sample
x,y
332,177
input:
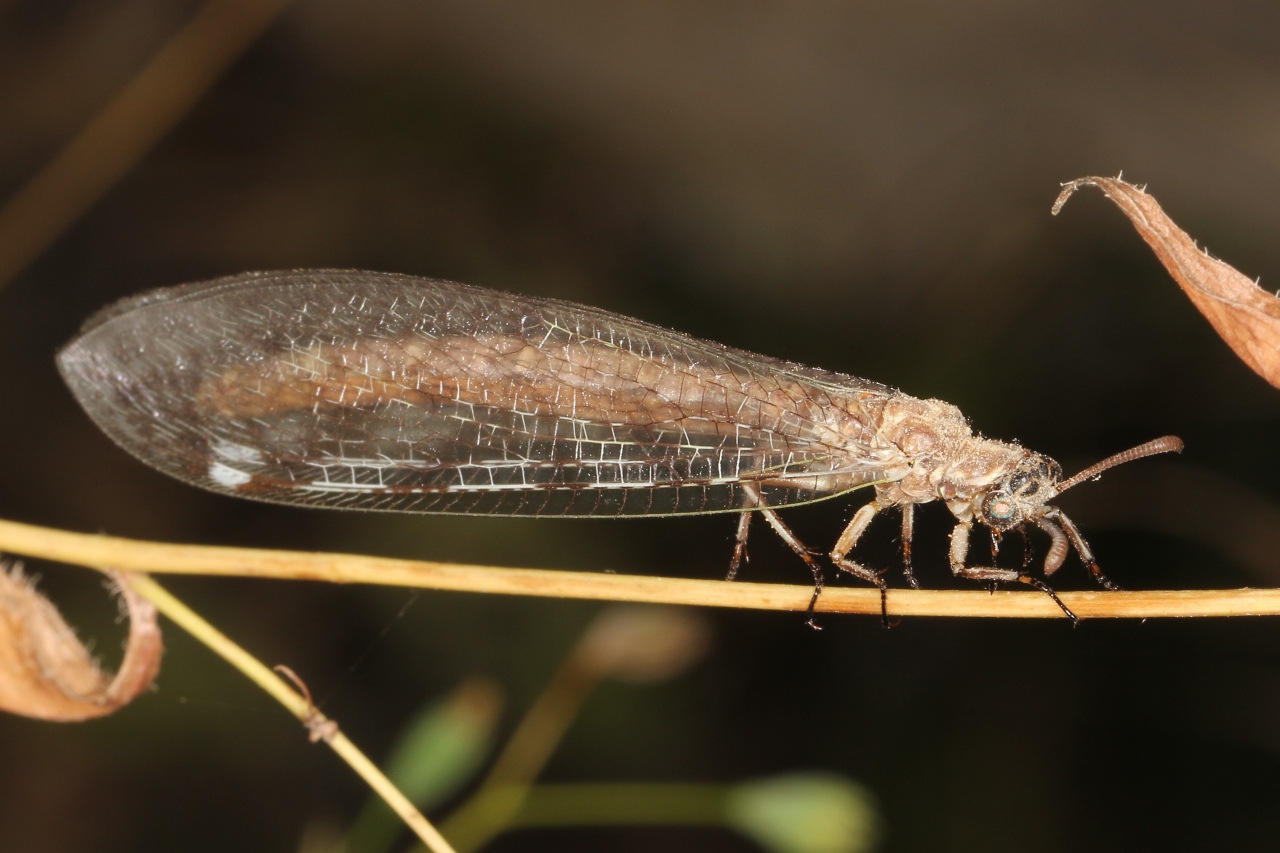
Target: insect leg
x,y
849,538
908,527
755,499
1082,548
805,554
960,554
739,545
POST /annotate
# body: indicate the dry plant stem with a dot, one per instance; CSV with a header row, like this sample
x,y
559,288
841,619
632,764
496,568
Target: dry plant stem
x,y
298,705
132,555
128,127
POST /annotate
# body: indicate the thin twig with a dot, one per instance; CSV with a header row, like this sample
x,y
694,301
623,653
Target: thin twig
x,y
128,554
299,705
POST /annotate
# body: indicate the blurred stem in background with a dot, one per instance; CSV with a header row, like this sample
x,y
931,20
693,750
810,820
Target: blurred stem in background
x,y
793,813
790,813
630,643
128,127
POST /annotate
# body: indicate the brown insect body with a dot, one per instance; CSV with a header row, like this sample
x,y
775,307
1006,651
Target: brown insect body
x,y
374,391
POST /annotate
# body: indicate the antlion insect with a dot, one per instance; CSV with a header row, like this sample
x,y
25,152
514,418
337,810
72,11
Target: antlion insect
x,y
371,391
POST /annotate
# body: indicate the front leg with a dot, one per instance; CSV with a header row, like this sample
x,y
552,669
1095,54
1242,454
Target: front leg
x,y
1055,522
994,574
960,556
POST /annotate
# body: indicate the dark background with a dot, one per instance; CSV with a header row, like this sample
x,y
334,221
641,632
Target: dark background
x,y
864,187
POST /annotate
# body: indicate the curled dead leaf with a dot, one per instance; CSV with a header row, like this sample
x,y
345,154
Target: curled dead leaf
x,y
48,674
1244,315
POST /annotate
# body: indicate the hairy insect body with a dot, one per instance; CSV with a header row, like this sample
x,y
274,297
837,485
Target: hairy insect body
x,y
943,460
383,392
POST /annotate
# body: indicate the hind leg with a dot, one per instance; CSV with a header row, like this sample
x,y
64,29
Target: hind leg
x,y
740,546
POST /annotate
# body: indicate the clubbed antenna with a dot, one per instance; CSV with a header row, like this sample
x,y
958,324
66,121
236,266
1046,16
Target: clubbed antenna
x,y
1167,444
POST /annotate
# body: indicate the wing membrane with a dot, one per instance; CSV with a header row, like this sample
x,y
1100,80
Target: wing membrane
x,y
374,391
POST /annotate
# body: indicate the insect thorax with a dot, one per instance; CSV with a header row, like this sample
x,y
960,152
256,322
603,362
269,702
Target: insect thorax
x,y
973,475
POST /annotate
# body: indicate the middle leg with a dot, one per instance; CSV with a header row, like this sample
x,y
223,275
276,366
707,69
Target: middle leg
x,y
849,538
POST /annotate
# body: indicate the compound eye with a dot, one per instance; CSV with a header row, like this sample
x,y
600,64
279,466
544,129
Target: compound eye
x,y
999,511
1018,481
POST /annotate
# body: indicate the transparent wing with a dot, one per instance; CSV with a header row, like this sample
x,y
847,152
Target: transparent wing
x,y
385,392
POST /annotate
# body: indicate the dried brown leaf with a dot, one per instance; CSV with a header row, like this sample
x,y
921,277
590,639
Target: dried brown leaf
x,y
47,673
1246,316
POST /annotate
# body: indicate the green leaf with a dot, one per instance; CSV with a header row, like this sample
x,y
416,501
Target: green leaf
x,y
806,813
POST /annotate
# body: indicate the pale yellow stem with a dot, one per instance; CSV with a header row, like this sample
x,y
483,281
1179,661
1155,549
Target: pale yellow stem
x,y
126,554
297,704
